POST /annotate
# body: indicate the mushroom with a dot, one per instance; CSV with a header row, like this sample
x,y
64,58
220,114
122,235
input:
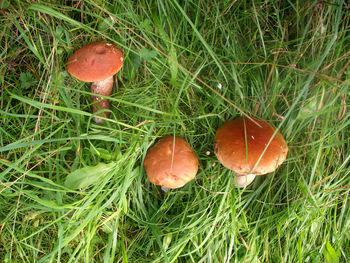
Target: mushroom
x,y
171,163
97,63
240,145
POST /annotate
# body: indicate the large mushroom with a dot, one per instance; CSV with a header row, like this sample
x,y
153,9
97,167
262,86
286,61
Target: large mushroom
x,y
97,63
245,148
171,163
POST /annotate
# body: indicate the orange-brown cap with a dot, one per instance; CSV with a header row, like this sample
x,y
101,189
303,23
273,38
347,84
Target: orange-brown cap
x,y
171,162
95,62
232,151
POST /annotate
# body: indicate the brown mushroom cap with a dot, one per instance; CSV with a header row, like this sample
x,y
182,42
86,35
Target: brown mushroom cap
x,y
95,62
230,147
169,168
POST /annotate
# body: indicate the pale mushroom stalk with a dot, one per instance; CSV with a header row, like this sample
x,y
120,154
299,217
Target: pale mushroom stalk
x,y
242,180
104,88
165,189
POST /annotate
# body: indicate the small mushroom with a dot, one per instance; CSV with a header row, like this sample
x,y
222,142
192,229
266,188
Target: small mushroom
x,y
97,63
240,144
171,163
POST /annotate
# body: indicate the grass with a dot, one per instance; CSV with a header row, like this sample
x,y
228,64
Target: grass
x,y
189,66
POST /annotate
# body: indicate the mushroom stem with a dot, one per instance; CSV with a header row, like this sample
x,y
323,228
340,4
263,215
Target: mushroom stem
x,y
104,88
165,189
242,180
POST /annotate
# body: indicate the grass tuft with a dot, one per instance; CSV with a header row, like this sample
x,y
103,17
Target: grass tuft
x,y
189,66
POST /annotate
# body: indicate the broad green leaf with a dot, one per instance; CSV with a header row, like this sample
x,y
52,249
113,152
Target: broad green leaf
x,y
148,54
146,25
26,80
105,24
88,175
330,254
309,109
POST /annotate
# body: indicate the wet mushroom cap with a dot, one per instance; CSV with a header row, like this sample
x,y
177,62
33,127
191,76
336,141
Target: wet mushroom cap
x,y
95,62
234,154
171,165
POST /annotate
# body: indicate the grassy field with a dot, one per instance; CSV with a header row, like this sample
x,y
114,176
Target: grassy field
x,y
189,67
